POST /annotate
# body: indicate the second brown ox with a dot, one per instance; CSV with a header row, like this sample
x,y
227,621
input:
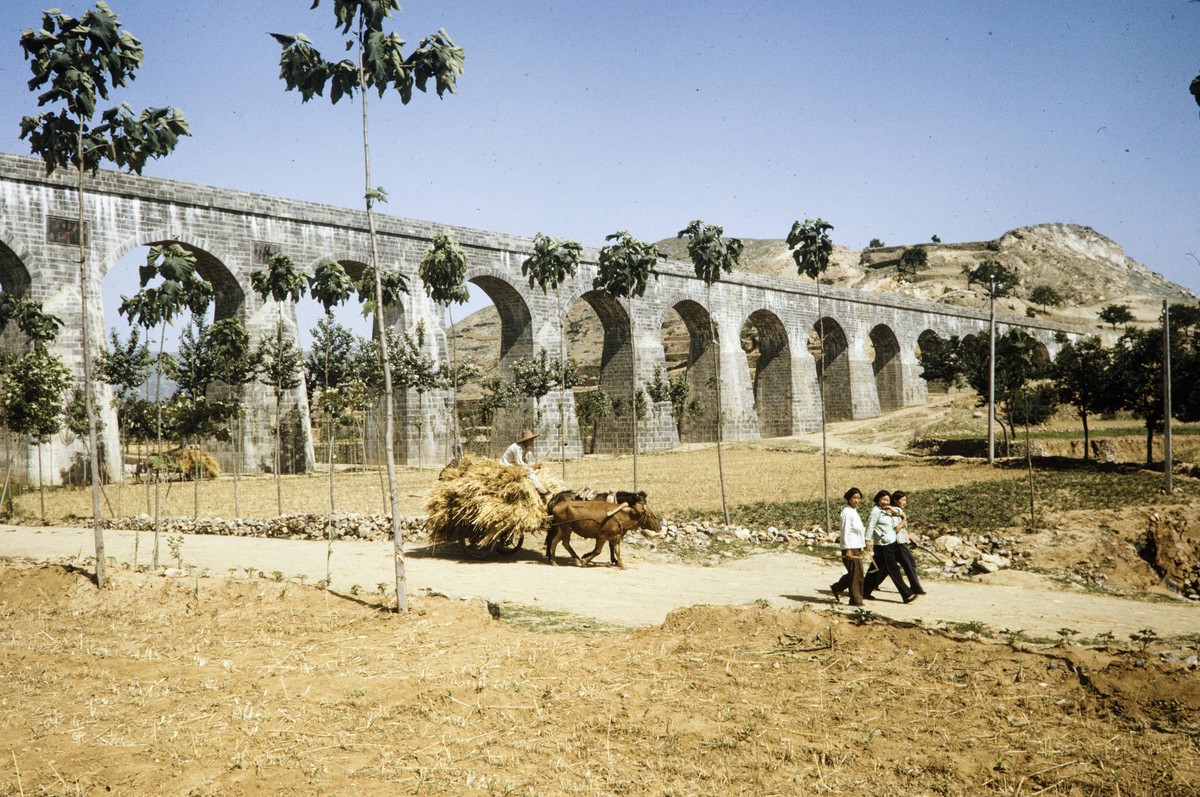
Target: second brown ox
x,y
601,521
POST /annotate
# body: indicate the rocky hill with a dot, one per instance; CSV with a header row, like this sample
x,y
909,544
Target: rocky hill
x,y
1087,269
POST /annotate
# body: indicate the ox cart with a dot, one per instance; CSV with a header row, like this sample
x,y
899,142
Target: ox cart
x,y
486,507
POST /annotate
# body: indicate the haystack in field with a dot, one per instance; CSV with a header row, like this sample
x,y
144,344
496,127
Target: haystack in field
x,y
486,504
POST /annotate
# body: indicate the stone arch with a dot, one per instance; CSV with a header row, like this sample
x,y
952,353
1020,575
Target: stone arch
x,y
769,360
14,275
692,347
887,368
930,341
516,322
15,280
612,372
229,294
833,367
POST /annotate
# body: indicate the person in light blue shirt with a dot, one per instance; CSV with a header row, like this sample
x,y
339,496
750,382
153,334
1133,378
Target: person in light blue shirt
x,y
881,531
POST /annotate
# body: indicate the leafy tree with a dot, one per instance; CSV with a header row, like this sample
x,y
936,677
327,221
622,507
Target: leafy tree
x,y
416,370
592,406
77,61
498,395
1116,314
989,270
812,249
552,263
535,377
912,260
1018,367
381,64
1046,296
875,244
281,368
625,266
711,256
1195,89
1081,376
1137,376
443,270
236,365
39,327
329,364
177,287
331,286
676,390
283,283
194,413
33,401
125,367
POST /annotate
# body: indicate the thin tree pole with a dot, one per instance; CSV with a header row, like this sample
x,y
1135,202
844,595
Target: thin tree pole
x,y
633,385
1167,459
821,395
389,425
712,333
562,381
94,453
991,424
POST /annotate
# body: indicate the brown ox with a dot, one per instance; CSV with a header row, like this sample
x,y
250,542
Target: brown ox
x,y
601,521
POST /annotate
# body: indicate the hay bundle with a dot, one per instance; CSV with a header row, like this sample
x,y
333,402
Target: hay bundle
x,y
481,501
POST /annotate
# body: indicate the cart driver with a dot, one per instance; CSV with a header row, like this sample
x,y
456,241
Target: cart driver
x,y
521,453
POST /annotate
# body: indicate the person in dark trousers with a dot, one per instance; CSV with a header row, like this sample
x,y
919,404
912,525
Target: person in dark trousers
x,y
881,531
853,542
904,544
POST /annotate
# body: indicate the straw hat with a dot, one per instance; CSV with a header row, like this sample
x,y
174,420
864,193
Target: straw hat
x,y
527,436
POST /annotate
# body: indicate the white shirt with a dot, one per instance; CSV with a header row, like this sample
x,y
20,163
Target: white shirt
x,y
853,533
516,455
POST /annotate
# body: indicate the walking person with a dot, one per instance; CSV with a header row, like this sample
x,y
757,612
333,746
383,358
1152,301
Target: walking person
x,y
853,542
881,531
904,543
520,454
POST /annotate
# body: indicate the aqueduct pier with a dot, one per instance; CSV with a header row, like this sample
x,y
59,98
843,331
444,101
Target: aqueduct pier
x,y
870,360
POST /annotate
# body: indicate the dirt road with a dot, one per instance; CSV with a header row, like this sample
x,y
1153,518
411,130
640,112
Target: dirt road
x,y
639,596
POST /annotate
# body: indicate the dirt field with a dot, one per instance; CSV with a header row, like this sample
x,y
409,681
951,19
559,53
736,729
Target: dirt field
x,y
250,687
588,682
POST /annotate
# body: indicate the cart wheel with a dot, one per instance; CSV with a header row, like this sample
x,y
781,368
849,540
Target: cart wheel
x,y
510,547
475,550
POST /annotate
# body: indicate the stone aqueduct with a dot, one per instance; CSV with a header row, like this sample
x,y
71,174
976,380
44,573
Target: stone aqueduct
x,y
870,363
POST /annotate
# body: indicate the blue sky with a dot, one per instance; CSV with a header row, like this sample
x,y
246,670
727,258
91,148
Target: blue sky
x,y
890,120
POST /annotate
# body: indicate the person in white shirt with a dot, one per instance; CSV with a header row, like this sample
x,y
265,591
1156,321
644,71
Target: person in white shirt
x,y
520,454
853,542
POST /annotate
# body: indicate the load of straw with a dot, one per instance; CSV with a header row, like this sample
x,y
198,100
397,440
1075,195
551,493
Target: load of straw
x,y
485,504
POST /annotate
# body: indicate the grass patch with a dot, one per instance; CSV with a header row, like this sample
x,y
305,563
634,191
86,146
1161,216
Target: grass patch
x,y
548,621
981,506
1177,429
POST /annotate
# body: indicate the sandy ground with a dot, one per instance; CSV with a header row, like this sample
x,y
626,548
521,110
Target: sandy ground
x,y
640,596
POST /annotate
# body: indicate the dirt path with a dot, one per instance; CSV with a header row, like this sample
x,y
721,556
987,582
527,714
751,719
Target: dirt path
x,y
639,596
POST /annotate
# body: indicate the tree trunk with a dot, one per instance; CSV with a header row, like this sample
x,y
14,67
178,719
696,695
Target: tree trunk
x,y
1087,449
1149,445
41,484
712,333
389,442
159,456
633,387
278,454
93,444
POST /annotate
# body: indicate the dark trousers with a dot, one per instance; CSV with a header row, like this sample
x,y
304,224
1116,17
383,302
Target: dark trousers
x,y
853,561
909,565
886,560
